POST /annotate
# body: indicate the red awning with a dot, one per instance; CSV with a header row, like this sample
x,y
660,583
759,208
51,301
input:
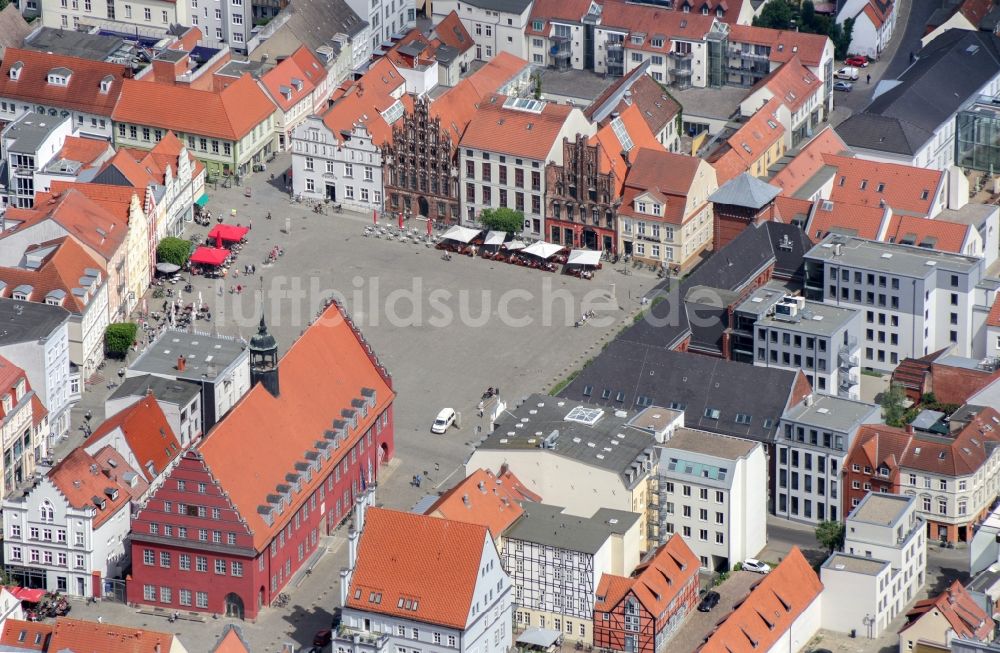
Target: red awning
x,y
210,255
228,232
29,595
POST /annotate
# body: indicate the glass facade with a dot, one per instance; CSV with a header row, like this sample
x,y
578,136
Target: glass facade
x,y
978,138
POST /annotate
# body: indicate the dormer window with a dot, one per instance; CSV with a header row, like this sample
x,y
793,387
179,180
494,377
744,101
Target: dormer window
x,y
59,76
657,43
637,40
640,207
655,208
15,70
106,84
704,11
719,12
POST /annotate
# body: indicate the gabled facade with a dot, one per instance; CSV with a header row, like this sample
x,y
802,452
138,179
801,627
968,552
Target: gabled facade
x,y
874,24
949,615
151,18
642,612
23,427
296,86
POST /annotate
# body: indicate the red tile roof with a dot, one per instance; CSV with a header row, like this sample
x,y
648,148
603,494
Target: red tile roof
x,y
993,319
485,498
956,385
564,11
87,151
975,11
964,615
792,83
654,22
147,434
31,635
784,44
10,374
231,641
611,148
92,637
229,114
654,583
498,71
363,101
86,483
935,234
62,270
657,108
904,188
85,220
81,93
513,132
748,143
790,208
451,32
864,221
311,396
289,83
666,176
428,565
774,604
808,161
115,200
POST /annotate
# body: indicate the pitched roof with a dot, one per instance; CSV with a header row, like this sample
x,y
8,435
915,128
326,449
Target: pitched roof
x,y
82,91
102,232
228,114
774,604
749,143
514,132
791,83
924,232
147,433
906,189
61,272
90,637
783,44
28,635
657,108
610,159
840,217
491,500
564,11
809,161
87,151
652,22
993,319
322,373
745,190
231,641
293,79
364,101
13,28
86,483
656,582
312,23
666,172
419,567
963,613
451,32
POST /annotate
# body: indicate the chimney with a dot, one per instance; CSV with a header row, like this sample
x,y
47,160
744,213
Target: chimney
x,y
352,548
909,429
181,363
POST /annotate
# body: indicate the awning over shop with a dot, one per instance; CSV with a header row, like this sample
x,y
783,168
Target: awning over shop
x,y
460,234
203,200
542,249
495,238
210,255
26,594
228,232
515,245
584,257
167,268
539,637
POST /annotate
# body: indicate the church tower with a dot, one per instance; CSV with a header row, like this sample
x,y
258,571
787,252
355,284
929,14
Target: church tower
x,y
264,359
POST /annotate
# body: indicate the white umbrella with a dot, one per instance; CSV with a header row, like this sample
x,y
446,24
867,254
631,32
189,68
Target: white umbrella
x,y
200,303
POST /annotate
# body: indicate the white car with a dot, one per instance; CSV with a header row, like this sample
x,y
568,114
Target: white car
x,y
849,73
754,565
444,419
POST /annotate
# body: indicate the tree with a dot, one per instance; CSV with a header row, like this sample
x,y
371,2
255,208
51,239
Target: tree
x,y
893,405
119,337
173,250
538,86
830,534
777,14
808,14
502,219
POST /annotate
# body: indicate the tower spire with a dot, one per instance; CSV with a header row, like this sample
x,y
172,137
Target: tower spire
x,y
264,353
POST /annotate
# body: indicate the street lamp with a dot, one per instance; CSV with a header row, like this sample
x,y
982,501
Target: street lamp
x,y
868,621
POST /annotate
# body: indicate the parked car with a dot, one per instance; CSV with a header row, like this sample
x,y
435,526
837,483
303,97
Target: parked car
x,y
842,86
847,72
444,420
754,565
709,601
859,61
323,637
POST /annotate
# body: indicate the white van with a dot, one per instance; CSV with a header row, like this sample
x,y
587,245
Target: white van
x,y
848,72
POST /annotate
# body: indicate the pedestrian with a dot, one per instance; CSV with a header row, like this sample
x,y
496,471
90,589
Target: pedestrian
x,y
869,78
100,619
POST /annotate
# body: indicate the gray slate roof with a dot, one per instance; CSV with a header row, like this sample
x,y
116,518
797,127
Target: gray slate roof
x,y
550,526
313,23
28,321
745,190
950,71
205,354
169,391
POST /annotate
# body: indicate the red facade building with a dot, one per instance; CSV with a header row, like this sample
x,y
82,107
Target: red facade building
x,y
640,613
242,513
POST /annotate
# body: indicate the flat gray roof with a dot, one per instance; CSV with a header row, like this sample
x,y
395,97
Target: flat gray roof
x,y
855,564
204,354
539,422
170,391
30,130
710,444
550,526
893,258
971,214
96,47
816,318
834,413
28,321
880,508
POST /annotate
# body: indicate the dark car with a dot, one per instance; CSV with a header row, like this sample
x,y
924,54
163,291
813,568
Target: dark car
x,y
323,637
710,600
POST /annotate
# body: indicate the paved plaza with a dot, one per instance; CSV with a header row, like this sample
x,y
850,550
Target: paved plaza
x,y
446,330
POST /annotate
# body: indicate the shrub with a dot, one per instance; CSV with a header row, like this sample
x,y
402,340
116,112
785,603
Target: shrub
x,y
119,337
173,250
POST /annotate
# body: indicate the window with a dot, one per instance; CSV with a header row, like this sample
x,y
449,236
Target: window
x,y
147,13
165,559
236,569
184,562
148,558
201,563
220,567
184,597
201,599
149,592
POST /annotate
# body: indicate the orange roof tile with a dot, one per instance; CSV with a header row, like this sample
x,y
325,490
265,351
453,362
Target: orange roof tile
x,y
611,148
30,635
963,613
654,22
38,410
10,374
874,15
231,641
147,434
422,568
925,232
808,161
564,11
85,220
87,151
61,270
452,32
364,101
790,208
665,175
311,396
783,44
905,189
115,200
84,482
81,93
288,84
993,319
498,71
791,83
93,637
774,604
654,583
513,132
864,221
748,143
484,498
228,114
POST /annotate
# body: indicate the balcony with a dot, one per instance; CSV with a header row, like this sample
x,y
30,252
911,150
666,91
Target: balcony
x,y
682,72
848,381
680,55
615,46
359,641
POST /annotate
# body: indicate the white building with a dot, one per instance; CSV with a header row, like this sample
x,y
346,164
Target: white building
x,y
915,300
503,155
883,528
406,588
29,144
67,533
222,23
146,17
36,339
21,416
386,18
555,562
874,24
711,490
811,443
495,26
